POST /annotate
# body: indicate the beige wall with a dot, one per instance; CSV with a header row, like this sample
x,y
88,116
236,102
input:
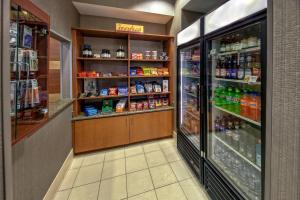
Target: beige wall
x,y
284,71
107,23
63,15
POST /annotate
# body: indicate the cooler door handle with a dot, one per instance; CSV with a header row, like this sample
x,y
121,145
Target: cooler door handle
x,y
198,97
201,102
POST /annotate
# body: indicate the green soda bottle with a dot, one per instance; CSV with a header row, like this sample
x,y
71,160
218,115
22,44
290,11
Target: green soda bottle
x,y
229,98
237,101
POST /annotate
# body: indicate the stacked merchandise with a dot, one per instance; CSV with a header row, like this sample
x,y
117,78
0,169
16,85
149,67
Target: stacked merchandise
x,y
149,87
242,101
191,120
95,74
87,52
247,68
91,90
149,71
107,106
149,55
150,103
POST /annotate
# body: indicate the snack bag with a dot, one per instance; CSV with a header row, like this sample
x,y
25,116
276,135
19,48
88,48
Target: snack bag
x,y
112,91
104,92
140,88
148,87
165,71
154,71
133,89
165,101
145,105
132,106
120,107
151,103
139,106
158,103
139,72
157,87
147,71
122,91
133,71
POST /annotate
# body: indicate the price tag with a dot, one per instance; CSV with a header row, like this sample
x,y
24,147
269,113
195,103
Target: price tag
x,y
252,79
213,52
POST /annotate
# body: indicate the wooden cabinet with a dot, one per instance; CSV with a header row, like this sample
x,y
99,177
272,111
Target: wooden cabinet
x,y
150,126
100,133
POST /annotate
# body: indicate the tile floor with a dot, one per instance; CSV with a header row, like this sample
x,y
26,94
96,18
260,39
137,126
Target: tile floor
x,y
146,171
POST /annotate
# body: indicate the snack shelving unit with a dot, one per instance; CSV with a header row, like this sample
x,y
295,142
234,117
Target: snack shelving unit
x,y
116,129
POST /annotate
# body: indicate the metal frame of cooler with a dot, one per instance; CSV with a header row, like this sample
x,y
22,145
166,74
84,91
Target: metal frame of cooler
x,y
189,152
216,184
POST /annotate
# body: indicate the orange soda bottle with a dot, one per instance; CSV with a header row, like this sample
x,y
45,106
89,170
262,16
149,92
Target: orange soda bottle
x,y
245,104
254,107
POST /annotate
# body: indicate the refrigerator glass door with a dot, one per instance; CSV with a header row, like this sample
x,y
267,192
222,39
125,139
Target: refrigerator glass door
x,y
234,108
189,93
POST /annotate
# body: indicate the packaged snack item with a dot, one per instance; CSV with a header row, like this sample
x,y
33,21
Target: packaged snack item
x,y
145,105
122,91
165,101
165,71
139,106
132,106
107,106
156,87
151,103
112,91
147,71
90,110
148,87
104,92
139,72
154,71
165,85
133,89
160,71
158,103
133,71
140,88
120,107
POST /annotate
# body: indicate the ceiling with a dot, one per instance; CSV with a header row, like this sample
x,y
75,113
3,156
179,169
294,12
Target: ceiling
x,y
121,13
203,6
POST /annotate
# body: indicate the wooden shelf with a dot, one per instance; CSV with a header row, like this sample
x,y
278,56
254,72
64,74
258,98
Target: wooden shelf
x,y
149,94
149,60
111,77
102,59
161,76
102,97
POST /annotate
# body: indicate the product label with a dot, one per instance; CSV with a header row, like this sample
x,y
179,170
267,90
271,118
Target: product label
x,y
217,72
223,72
240,74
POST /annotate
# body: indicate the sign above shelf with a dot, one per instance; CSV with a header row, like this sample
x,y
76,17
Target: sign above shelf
x,y
129,28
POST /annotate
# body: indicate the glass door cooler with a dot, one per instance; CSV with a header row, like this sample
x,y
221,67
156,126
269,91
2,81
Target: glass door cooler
x,y
188,96
235,123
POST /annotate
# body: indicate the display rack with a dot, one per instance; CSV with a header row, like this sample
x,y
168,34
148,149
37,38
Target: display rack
x,y
29,36
133,43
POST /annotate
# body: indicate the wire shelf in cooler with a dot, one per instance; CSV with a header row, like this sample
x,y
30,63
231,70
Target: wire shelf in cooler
x,y
191,76
237,81
192,115
238,116
237,153
246,50
191,94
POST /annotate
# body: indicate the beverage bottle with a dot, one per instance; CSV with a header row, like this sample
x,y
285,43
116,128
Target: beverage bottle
x,y
233,72
241,68
258,152
218,69
248,69
253,106
228,67
244,102
229,98
256,69
222,96
237,101
223,69
217,124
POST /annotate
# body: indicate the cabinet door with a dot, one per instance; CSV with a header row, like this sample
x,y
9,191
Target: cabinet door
x,y
100,133
149,126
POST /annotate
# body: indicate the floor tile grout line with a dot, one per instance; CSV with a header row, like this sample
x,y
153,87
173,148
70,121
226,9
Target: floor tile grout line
x,y
126,176
150,175
101,177
179,183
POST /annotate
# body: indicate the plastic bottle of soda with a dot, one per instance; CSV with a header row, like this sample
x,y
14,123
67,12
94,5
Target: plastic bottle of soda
x,y
229,98
245,104
237,101
253,105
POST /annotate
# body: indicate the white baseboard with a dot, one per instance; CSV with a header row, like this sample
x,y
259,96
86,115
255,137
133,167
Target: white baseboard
x,y
59,177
